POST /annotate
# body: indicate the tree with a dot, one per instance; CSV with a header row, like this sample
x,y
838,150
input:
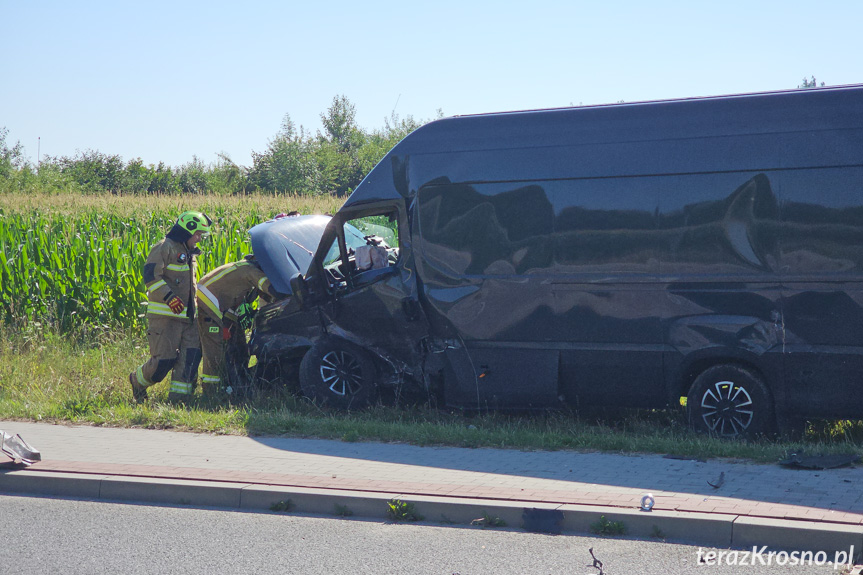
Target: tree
x,y
10,158
338,150
288,165
809,83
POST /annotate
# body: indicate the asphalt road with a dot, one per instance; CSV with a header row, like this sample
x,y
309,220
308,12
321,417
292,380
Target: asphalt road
x,y
64,536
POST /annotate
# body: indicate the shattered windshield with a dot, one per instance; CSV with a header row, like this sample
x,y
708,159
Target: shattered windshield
x,y
356,236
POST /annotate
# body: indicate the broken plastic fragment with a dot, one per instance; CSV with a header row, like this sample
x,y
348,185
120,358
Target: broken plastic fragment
x,y
647,502
18,449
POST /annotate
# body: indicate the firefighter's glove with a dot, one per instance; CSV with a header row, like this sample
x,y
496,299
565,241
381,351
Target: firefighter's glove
x,y
246,316
176,305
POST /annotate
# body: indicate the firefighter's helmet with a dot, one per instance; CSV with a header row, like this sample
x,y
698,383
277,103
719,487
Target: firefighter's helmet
x,y
195,221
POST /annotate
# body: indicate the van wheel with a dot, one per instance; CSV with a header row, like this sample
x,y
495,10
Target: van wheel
x,y
729,401
337,374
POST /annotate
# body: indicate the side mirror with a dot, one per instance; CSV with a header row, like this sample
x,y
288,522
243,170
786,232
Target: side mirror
x,y
299,289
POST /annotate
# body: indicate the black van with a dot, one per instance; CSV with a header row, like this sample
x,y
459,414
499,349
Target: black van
x,y
706,251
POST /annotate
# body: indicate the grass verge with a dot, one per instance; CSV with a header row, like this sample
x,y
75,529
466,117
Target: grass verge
x,y
46,377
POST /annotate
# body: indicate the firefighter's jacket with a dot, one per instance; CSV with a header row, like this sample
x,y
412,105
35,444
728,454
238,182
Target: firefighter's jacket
x,y
171,270
227,287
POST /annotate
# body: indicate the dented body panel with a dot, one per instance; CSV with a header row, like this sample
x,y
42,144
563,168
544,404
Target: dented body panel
x,y
609,254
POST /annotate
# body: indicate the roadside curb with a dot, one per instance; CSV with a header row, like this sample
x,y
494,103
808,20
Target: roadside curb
x,y
721,530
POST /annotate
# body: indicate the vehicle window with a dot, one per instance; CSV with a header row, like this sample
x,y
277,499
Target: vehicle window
x,y
333,254
371,243
383,226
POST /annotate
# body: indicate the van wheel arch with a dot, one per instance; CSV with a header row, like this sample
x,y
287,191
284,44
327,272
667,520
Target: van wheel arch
x,y
339,374
729,399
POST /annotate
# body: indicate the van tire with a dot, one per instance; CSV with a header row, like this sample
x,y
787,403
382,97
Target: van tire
x,y
338,374
730,401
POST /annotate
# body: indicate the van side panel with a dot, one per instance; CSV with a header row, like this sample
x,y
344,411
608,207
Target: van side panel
x,y
821,250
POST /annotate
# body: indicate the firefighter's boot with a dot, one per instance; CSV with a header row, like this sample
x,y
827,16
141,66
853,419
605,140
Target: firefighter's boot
x,y
139,392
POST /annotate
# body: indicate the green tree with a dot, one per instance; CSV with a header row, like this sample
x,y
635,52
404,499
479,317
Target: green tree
x,y
162,180
811,83
288,164
94,171
338,149
226,177
11,159
192,177
136,177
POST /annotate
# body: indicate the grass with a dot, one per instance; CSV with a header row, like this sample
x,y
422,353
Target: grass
x,y
399,511
607,528
48,377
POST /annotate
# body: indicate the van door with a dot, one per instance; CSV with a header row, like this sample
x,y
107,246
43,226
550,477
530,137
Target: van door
x,y
821,242
374,287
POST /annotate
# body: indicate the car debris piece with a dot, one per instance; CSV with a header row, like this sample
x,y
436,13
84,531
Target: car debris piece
x,y
801,461
647,502
719,481
18,449
684,458
597,564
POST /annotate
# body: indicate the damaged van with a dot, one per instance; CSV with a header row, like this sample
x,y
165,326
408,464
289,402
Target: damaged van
x,y
703,251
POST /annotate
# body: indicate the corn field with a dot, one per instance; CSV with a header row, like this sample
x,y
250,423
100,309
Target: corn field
x,y
77,264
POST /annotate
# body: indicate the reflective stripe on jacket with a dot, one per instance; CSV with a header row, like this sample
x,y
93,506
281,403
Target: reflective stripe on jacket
x,y
171,270
230,285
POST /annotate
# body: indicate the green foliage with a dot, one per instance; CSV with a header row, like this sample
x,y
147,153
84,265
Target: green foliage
x,y
398,511
333,161
811,83
607,528
84,272
11,159
282,506
287,165
342,511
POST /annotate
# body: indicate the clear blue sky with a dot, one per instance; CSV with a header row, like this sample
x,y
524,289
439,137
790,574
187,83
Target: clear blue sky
x,y
169,80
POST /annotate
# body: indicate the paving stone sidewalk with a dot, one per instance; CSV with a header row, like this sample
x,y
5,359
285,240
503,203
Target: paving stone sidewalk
x,y
592,479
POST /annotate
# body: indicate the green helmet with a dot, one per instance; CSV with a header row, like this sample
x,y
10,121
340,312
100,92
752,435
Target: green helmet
x,y
194,221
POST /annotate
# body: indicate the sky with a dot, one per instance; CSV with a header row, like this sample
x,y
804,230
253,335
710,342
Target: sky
x,y
170,81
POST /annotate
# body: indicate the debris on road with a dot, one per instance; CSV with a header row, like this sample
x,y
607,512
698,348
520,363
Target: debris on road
x,y
18,449
597,564
719,481
800,461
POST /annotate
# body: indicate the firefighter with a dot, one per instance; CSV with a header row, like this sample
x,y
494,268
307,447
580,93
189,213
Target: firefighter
x,y
221,295
170,277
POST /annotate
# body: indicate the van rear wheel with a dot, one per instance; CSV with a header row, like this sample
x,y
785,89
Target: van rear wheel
x,y
730,401
338,374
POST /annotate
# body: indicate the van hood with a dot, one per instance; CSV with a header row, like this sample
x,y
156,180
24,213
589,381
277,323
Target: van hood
x,y
284,247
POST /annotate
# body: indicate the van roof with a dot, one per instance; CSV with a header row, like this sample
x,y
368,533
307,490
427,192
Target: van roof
x,y
620,139
672,100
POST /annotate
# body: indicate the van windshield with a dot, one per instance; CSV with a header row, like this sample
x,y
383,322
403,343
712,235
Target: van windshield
x,y
356,233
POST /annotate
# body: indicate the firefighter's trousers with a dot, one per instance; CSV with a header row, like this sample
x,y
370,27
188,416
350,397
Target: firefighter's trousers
x,y
175,347
213,348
